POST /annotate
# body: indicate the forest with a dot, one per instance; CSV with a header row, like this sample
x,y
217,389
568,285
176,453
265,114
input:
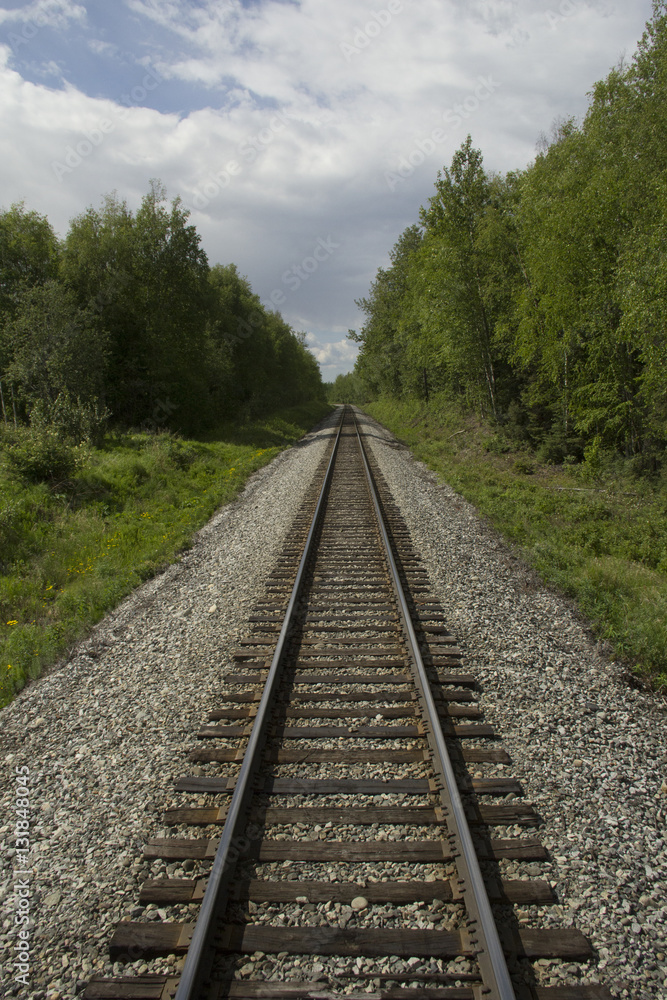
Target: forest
x,y
124,323
140,387
538,299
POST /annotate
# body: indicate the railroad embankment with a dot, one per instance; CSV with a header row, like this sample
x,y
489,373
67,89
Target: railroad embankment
x,y
595,529
102,739
79,531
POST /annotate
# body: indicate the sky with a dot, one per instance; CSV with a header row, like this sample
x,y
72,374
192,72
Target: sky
x,y
303,135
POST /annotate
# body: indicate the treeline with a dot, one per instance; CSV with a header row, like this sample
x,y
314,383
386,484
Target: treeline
x,y
349,388
540,297
125,321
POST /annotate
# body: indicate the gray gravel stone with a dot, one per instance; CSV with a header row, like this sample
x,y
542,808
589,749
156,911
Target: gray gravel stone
x,y
588,748
105,733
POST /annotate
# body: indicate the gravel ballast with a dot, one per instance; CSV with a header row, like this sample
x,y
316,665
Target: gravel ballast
x,y
104,735
589,750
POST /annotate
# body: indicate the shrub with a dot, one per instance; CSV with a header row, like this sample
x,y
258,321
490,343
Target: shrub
x,y
73,420
43,456
180,454
497,445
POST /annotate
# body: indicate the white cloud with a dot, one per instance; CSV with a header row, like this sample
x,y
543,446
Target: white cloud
x,y
44,13
101,48
296,134
333,358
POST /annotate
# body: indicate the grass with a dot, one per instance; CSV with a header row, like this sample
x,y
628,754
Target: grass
x,y
70,552
592,530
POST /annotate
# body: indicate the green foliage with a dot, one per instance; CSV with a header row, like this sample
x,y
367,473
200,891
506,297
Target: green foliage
x,y
381,362
123,326
29,252
128,320
145,277
43,456
257,363
456,264
539,298
348,388
54,347
69,553
438,318
592,529
73,420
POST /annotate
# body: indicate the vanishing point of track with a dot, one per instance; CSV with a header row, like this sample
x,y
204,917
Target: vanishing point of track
x,y
345,836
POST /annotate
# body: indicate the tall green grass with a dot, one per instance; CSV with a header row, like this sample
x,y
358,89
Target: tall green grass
x,y
595,530
71,551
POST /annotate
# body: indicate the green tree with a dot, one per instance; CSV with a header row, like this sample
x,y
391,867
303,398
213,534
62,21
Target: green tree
x,y
348,388
381,360
147,278
575,218
171,271
636,132
260,363
539,297
29,252
98,266
239,330
457,269
58,348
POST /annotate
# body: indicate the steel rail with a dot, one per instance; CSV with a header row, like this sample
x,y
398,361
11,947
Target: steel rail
x,y
196,968
491,958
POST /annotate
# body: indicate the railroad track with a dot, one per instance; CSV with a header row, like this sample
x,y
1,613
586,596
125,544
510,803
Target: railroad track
x,y
354,814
